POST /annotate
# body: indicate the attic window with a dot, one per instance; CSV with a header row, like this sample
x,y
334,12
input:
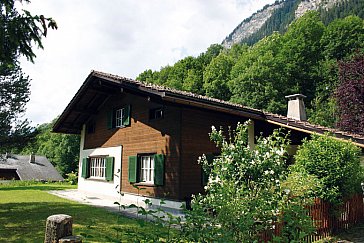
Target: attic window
x,y
156,113
119,114
119,117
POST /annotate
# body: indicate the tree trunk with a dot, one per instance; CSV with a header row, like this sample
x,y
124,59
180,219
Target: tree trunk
x,y
57,227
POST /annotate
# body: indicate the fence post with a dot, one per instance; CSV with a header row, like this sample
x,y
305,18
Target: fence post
x,y
58,226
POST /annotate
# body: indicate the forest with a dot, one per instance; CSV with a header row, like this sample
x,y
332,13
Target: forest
x,y
305,59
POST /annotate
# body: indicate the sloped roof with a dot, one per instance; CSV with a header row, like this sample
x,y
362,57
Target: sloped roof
x,y
99,86
42,169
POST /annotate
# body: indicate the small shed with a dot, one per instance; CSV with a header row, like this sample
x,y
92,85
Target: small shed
x,y
25,168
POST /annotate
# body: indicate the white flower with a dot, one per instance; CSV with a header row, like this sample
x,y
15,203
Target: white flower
x,y
271,172
213,128
266,172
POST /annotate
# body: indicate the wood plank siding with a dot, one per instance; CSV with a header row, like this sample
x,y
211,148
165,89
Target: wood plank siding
x,y
159,136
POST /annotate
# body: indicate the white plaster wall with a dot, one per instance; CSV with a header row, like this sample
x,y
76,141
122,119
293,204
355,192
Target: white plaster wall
x,y
100,187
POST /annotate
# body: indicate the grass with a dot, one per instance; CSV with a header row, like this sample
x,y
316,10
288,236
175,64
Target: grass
x,y
24,208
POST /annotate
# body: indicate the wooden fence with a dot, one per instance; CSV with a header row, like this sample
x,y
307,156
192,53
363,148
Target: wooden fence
x,y
327,223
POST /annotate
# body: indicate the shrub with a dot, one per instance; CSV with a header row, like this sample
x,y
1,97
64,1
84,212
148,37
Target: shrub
x,y
334,162
244,195
72,178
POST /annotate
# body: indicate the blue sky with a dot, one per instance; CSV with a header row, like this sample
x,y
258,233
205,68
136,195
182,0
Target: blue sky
x,y
123,37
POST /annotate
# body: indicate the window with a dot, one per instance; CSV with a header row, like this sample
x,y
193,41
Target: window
x,y
119,114
119,117
146,168
98,167
156,113
146,173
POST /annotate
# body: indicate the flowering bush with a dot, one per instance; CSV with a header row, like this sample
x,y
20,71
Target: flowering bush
x,y
244,194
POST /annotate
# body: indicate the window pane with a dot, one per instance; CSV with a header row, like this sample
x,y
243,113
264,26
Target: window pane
x,y
147,169
97,168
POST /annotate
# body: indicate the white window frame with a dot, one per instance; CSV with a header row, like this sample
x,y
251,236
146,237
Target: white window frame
x,y
97,167
119,115
146,169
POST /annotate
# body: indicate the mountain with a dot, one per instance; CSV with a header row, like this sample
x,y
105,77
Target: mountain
x,y
278,16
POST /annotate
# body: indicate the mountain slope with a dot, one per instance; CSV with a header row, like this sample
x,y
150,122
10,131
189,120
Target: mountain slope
x,y
278,16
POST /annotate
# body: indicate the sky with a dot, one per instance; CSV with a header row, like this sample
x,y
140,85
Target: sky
x,y
123,37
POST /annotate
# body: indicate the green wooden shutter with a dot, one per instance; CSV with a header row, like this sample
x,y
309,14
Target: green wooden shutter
x,y
205,174
110,116
109,170
85,173
159,169
126,116
133,167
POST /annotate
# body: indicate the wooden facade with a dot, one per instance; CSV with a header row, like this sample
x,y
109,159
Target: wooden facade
x,y
182,135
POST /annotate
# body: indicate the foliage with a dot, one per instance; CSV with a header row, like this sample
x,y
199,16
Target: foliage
x,y
335,163
62,150
72,178
350,95
343,37
301,58
244,195
24,210
19,33
216,77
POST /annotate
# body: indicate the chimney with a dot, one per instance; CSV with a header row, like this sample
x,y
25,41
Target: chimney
x,y
296,107
32,158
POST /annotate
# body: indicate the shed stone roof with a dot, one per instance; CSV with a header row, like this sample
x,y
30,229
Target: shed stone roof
x,y
41,169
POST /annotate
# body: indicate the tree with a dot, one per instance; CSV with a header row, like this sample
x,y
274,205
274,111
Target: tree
x,y
342,37
302,51
350,95
216,77
62,150
19,33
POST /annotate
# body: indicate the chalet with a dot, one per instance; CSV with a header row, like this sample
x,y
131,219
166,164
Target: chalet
x,y
133,133
26,168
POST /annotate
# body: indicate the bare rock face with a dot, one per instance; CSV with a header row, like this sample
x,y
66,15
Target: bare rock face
x,y
307,5
247,28
253,24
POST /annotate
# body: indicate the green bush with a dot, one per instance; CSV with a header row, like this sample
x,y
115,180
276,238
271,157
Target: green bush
x,y
334,162
72,178
244,195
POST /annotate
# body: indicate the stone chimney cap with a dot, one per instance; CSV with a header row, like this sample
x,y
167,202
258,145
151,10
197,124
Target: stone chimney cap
x,y
295,96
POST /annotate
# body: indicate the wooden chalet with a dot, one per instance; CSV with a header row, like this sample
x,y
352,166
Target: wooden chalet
x,y
133,133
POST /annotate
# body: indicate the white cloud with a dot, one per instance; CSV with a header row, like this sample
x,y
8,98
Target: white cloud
x,y
123,37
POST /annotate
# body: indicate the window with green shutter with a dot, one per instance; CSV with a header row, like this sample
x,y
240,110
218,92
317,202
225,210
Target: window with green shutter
x,y
98,167
85,173
126,116
133,169
147,168
159,169
119,117
109,168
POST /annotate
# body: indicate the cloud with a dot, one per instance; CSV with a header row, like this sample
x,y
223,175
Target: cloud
x,y
123,37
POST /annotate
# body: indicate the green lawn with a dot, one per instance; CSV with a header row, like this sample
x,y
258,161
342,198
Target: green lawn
x,y
24,209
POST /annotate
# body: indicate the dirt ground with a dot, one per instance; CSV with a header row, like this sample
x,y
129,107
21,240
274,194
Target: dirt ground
x,y
355,234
